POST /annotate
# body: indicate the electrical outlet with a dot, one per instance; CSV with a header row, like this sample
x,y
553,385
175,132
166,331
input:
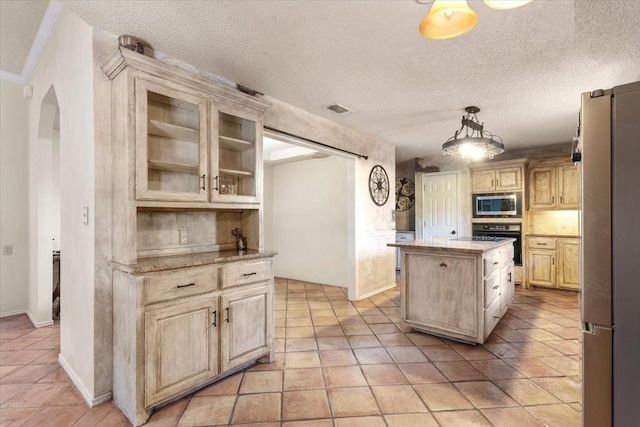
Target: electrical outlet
x,y
7,250
184,236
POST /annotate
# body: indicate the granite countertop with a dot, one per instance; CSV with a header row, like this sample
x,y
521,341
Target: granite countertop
x,y
450,245
147,265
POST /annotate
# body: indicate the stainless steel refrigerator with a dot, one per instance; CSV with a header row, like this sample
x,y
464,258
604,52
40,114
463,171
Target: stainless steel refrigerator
x,y
610,270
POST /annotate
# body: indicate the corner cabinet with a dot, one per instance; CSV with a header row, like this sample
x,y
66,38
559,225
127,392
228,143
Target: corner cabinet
x,y
553,184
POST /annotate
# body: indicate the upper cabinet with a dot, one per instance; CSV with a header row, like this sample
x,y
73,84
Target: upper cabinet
x,y
182,137
496,179
171,144
553,184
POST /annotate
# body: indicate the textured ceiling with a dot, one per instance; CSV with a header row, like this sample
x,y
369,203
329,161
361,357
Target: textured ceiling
x,y
525,68
19,23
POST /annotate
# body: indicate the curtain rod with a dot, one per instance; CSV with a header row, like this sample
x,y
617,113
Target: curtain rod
x,y
316,142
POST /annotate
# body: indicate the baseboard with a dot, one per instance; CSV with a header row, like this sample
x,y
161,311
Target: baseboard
x,y
91,401
377,291
13,313
36,323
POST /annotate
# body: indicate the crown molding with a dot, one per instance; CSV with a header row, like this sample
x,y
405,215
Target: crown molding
x,y
44,31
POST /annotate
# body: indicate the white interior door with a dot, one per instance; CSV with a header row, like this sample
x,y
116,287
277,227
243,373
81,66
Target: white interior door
x,y
439,205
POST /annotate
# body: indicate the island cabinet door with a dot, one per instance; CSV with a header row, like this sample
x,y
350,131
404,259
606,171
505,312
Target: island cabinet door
x,y
247,319
507,288
181,348
441,293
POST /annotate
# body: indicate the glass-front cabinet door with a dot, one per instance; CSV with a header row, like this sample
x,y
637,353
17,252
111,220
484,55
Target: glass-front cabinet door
x,y
171,144
236,148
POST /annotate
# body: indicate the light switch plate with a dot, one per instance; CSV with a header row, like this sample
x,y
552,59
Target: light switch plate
x,y
184,236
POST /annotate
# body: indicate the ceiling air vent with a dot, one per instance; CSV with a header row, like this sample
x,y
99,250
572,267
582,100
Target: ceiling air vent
x,y
339,109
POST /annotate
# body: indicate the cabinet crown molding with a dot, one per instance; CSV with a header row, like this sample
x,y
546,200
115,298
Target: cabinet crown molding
x,y
123,58
498,164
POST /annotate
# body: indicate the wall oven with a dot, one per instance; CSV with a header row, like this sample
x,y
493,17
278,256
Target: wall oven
x,y
507,205
493,231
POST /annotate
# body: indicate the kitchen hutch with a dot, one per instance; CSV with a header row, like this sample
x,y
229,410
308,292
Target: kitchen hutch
x,y
188,306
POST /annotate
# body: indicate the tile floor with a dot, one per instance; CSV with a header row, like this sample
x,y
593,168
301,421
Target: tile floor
x,y
340,364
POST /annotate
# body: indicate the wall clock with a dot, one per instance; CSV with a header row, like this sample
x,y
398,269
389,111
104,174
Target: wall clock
x,y
405,194
379,185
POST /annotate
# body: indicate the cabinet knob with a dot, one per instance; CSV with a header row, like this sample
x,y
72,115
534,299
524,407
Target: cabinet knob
x,y
443,265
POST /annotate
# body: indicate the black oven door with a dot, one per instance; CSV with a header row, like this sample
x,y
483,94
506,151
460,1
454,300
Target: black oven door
x,y
517,245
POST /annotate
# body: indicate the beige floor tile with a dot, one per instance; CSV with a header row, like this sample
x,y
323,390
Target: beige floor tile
x,y
394,340
483,394
8,391
556,415
352,402
208,410
566,347
459,371
300,332
357,330
563,388
329,331
504,350
420,373
440,353
511,335
497,369
372,356
378,319
563,364
461,419
360,422
256,408
333,343
387,374
276,365
363,341
406,354
322,313
17,416
423,339
95,415
167,416
57,376
29,373
398,399
442,397
298,313
510,417
57,416
311,423
302,379
469,352
369,311
410,420
337,358
293,322
526,392
34,396
302,359
532,367
301,344
261,382
536,349
344,376
384,328
325,321
305,404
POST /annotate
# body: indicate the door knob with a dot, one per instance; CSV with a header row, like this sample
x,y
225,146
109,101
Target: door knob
x,y
453,232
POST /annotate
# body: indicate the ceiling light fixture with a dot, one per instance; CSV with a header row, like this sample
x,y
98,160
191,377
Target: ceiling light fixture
x,y
452,18
476,143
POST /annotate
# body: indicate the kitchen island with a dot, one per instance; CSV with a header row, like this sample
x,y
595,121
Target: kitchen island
x,y
456,288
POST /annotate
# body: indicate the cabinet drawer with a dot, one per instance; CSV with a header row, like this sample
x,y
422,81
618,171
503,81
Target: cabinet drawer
x,y
496,259
404,237
245,273
491,317
491,288
541,243
171,285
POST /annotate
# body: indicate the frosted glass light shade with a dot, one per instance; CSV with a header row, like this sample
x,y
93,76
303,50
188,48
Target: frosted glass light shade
x,y
447,19
506,4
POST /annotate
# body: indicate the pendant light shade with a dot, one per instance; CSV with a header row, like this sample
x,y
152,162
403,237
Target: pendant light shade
x,y
506,4
447,19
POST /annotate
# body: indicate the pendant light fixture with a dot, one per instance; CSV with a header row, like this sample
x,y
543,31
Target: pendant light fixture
x,y
452,18
476,143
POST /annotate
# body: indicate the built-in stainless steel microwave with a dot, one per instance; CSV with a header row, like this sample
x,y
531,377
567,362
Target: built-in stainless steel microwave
x,y
507,205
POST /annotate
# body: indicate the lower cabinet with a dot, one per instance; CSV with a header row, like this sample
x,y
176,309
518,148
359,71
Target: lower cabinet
x,y
246,328
181,347
178,330
553,262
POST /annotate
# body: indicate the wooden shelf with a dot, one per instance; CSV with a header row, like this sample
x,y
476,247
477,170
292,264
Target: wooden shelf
x,y
236,172
172,167
172,131
235,144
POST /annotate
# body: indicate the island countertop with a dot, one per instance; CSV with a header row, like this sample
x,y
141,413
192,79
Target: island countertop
x,y
449,244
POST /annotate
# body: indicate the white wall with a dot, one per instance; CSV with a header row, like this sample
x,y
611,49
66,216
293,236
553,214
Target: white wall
x,y
310,220
66,63
13,198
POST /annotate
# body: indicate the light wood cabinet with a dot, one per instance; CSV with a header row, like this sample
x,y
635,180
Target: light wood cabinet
x,y
497,179
553,184
553,262
461,295
246,328
181,343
